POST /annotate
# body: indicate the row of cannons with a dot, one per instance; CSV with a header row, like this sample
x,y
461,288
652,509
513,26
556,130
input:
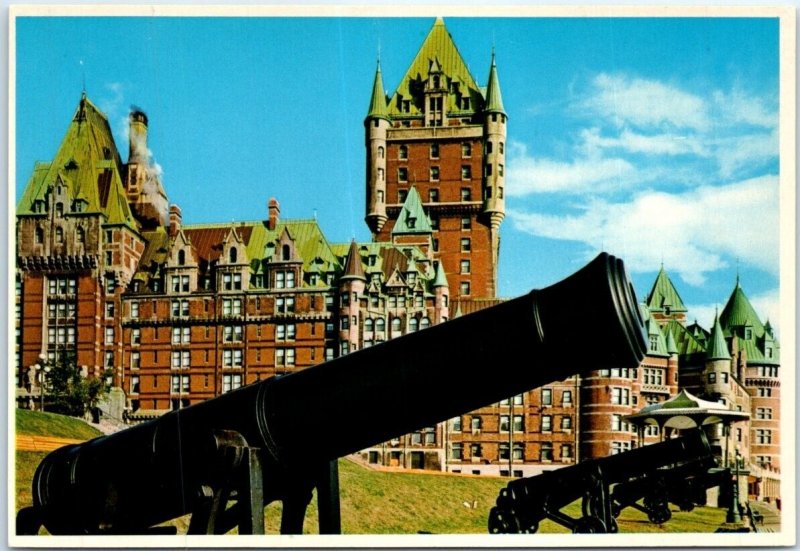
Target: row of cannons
x,y
222,461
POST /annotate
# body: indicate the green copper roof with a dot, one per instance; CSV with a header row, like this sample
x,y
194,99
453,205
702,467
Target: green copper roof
x,y
438,48
377,105
672,348
494,100
738,312
88,164
686,342
656,344
441,278
717,349
412,218
664,295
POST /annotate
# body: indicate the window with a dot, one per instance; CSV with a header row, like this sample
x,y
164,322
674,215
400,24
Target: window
x,y
457,451
546,451
466,149
381,152
380,325
764,392
464,288
501,147
466,245
566,399
134,310
435,243
434,151
402,152
231,381
466,223
763,413
547,423
232,333
475,450
456,424
328,354
413,325
39,235
566,422
503,451
547,396
466,172
488,170
465,266
402,174
433,195
617,424
284,305
619,447
475,424
566,451
466,194
712,377
345,348
285,331
401,195
499,170
232,282
345,323
136,335
135,384
620,396
109,335
232,357
504,423
763,436
396,325
434,174
180,383
284,356
181,335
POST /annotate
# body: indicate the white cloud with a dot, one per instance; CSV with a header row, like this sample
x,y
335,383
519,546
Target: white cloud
x,y
745,150
738,107
634,142
645,103
693,233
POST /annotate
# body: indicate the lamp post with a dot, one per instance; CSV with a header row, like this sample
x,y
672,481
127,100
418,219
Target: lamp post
x,y
733,515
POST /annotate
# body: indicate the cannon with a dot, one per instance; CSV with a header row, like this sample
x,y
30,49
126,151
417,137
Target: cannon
x,y
675,470
223,459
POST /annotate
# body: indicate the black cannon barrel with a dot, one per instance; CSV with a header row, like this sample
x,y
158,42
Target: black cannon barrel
x,y
151,472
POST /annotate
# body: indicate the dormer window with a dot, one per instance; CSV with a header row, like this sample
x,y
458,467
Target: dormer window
x,y
285,252
181,258
411,222
233,255
748,333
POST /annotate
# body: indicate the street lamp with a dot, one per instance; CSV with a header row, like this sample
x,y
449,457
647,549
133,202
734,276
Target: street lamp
x,y
733,515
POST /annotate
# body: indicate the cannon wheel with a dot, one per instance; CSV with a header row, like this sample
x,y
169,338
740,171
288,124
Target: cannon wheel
x,y
659,515
589,525
532,528
503,522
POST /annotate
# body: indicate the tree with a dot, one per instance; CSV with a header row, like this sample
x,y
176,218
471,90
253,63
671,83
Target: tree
x,y
69,391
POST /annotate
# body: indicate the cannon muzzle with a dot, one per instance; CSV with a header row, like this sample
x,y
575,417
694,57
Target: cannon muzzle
x,y
155,471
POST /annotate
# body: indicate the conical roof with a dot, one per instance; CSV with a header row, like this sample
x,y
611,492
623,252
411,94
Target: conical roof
x,y
672,347
664,295
88,164
412,218
717,349
438,46
441,279
494,99
738,312
352,265
377,104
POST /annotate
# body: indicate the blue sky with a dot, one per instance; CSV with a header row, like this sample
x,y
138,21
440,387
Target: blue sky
x,y
654,139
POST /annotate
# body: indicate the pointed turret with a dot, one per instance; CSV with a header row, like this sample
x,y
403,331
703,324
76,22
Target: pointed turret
x,y
672,347
378,107
494,99
717,349
412,218
739,316
440,280
352,264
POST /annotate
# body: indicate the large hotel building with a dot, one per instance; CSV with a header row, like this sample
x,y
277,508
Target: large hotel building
x,y
108,275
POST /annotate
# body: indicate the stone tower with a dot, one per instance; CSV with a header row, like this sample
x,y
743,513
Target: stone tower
x,y
443,135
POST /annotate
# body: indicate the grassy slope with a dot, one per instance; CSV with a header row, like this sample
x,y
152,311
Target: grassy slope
x,y
50,424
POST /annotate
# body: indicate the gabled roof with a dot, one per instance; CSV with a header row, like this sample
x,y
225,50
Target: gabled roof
x,y
664,294
88,164
438,48
412,218
685,341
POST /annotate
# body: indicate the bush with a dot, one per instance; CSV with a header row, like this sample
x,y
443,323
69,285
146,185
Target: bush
x,y
69,392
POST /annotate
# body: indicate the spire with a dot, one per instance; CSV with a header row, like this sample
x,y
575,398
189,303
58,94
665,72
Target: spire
x,y
717,349
440,280
352,265
494,100
738,312
664,295
377,104
672,348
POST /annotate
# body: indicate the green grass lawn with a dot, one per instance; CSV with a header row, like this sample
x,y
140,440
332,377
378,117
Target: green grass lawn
x,y
39,423
375,502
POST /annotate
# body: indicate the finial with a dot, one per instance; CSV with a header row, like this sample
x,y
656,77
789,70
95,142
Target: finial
x,y
83,79
737,271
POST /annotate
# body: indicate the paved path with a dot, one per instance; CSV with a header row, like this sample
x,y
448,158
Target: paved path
x,y
29,443
771,515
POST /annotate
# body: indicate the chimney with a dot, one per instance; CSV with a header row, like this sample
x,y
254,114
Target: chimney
x,y
274,213
175,219
138,137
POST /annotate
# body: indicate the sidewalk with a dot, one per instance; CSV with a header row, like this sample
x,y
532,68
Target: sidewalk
x,y
28,443
770,514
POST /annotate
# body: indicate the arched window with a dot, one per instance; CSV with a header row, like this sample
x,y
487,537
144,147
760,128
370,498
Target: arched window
x,y
380,152
395,325
425,322
233,255
285,252
380,324
39,235
182,257
413,325
369,324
